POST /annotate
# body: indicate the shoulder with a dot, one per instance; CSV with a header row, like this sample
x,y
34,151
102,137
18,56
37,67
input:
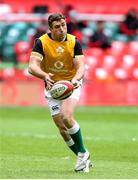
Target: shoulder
x,y
77,43
77,48
38,47
74,38
71,37
43,37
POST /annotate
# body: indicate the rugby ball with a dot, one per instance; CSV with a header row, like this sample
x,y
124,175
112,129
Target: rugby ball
x,y
61,90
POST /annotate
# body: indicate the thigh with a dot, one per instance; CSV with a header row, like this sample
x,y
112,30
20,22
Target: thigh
x,y
63,106
69,104
53,104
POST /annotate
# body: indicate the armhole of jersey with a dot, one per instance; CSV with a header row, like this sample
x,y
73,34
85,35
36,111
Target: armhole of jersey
x,y
74,43
42,42
42,46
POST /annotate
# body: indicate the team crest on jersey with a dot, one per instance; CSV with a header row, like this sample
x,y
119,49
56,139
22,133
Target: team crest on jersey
x,y
59,50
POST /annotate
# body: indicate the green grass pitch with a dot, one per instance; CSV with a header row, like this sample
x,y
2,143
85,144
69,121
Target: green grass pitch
x,y
31,147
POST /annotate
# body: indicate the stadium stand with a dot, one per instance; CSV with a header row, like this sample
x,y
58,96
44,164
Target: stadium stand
x,y
116,64
94,6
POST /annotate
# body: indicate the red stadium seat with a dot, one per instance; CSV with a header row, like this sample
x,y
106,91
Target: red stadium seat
x,y
133,47
22,50
135,73
125,67
91,64
101,73
94,52
118,48
8,73
128,61
120,74
93,56
109,62
92,61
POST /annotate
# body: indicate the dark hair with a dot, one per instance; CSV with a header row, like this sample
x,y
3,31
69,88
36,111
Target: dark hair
x,y
55,17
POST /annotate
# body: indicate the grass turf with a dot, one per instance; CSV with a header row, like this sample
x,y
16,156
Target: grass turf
x,y
31,147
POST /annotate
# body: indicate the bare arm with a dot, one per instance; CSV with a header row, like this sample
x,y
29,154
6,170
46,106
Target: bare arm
x,y
34,69
79,62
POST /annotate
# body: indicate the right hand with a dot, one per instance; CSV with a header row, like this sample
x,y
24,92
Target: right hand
x,y
76,83
48,80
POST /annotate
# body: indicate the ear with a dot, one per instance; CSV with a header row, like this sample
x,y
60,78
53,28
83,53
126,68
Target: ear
x,y
50,28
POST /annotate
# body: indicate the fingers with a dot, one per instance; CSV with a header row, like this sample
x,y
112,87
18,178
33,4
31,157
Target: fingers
x,y
50,74
48,84
49,78
76,83
49,81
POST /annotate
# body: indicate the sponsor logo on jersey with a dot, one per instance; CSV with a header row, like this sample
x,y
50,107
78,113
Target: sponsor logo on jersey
x,y
58,65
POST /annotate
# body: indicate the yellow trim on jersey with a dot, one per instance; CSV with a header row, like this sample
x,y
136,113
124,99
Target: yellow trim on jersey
x,y
36,54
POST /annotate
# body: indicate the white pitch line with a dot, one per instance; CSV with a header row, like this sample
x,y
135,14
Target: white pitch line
x,y
106,110
44,136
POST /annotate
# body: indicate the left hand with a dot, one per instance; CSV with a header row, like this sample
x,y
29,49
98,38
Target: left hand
x,y
76,83
49,81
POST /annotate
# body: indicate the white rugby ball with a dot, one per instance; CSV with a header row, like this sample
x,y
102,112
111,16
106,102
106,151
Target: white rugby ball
x,y
61,90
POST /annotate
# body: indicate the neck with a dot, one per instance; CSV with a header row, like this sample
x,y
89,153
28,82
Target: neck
x,y
58,39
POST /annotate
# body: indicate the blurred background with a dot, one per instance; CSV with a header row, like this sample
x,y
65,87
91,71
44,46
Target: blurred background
x,y
30,147
107,30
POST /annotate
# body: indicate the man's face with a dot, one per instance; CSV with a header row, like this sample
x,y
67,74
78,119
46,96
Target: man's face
x,y
59,30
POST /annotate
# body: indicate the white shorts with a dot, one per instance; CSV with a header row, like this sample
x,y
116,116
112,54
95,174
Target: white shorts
x,y
55,105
